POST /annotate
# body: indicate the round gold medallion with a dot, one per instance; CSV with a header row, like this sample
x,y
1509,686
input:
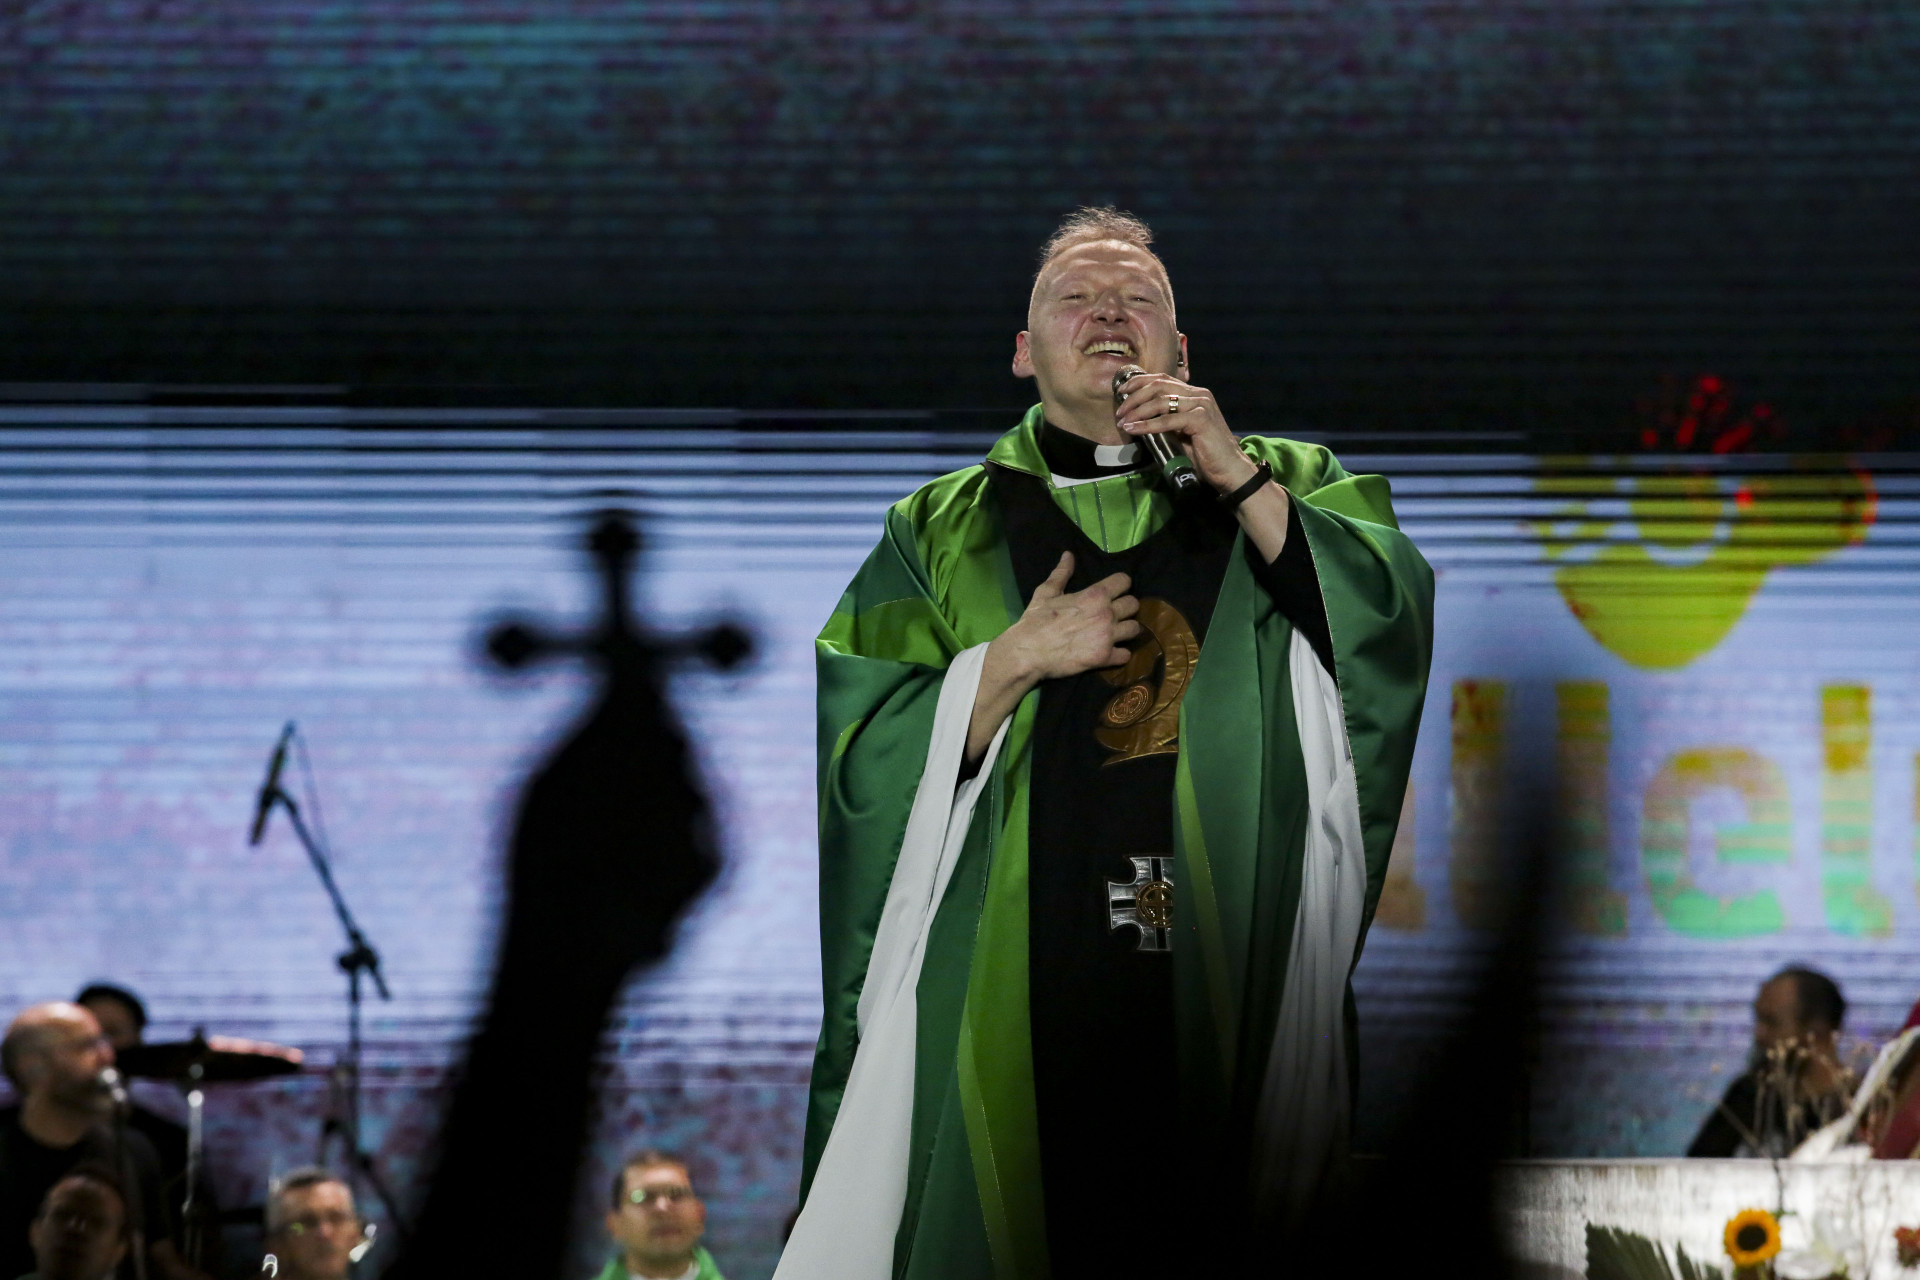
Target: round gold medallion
x,y
1153,905
1128,705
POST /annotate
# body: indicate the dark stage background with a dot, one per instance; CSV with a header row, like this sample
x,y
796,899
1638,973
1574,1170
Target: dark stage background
x,y
1380,213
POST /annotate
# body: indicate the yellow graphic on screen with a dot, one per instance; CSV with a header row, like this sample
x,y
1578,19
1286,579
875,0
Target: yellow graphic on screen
x,y
1659,568
1853,906
1666,828
1478,800
1403,903
1584,741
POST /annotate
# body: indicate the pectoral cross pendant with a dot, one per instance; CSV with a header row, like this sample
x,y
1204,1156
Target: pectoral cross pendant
x,y
1146,903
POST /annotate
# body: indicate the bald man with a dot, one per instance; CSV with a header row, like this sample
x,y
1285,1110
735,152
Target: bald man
x,y
1088,902
53,1055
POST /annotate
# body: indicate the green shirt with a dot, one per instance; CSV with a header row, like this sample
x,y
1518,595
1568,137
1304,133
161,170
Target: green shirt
x,y
616,1268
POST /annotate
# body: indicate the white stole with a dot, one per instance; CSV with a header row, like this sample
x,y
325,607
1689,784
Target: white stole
x,y
847,1227
1302,1119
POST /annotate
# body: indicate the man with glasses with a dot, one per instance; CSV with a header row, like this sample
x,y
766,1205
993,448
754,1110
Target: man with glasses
x,y
657,1222
313,1230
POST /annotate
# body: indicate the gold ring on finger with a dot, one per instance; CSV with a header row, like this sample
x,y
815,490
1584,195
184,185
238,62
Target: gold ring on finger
x,y
1173,404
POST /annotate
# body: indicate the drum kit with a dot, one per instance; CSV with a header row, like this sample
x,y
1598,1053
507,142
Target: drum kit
x,y
190,1065
205,1060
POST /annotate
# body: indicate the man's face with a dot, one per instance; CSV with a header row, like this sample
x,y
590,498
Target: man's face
x,y
80,1233
317,1233
1097,308
1776,1014
70,1055
116,1021
659,1218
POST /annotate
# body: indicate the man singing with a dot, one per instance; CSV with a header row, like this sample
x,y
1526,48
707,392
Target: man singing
x,y
1108,779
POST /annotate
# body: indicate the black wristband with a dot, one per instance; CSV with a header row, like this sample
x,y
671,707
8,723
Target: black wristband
x,y
1232,501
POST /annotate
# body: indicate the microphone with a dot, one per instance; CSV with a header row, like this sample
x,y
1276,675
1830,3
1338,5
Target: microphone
x,y
1174,467
113,1086
270,789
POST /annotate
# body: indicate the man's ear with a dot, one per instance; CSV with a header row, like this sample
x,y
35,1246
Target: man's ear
x,y
1022,356
1182,366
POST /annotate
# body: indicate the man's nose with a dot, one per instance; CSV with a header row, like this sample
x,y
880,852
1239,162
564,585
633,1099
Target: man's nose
x,y
1111,306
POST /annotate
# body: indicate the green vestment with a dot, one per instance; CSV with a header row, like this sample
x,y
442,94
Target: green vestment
x,y
940,582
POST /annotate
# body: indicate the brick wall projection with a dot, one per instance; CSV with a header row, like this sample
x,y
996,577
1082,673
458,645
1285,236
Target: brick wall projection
x,y
1401,210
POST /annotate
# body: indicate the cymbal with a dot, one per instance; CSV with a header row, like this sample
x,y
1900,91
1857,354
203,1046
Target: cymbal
x,y
208,1060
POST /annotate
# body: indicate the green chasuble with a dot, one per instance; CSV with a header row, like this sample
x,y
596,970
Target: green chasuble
x,y
940,582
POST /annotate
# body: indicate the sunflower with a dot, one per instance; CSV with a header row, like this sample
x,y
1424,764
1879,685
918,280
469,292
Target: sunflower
x,y
1752,1237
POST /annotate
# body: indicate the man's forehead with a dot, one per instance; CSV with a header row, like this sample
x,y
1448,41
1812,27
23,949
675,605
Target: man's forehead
x,y
61,1019
88,1189
111,1006
1104,257
70,1033
657,1175
319,1192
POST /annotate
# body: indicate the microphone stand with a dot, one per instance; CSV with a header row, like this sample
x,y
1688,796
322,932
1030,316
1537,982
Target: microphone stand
x,y
136,1202
357,960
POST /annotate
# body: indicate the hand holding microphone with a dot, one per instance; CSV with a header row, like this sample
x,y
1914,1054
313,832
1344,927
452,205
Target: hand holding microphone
x,y
1171,461
1159,410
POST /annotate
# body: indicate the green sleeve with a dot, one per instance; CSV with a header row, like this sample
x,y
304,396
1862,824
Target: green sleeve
x,y
1240,790
1378,592
923,595
879,663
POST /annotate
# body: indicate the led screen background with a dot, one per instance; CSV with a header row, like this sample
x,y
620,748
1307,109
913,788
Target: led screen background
x,y
1386,212
1735,786
1459,240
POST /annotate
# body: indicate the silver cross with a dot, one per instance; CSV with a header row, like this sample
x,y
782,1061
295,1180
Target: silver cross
x,y
1146,903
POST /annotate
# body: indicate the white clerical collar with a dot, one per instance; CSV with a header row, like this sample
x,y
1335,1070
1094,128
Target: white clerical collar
x,y
1104,455
1085,460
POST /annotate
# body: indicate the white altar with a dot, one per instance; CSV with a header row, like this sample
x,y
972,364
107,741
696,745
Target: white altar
x,y
1544,1207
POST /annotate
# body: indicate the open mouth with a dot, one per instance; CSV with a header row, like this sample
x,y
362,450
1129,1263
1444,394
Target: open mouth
x,y
1109,347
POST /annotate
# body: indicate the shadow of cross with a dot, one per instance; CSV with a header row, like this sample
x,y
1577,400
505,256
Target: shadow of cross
x,y
613,839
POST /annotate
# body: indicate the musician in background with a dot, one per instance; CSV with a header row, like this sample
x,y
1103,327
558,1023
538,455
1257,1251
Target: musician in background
x,y
53,1055
313,1227
81,1230
120,1013
123,1020
1794,1083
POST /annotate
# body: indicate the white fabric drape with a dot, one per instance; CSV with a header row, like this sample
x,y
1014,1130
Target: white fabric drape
x,y
1830,1141
846,1231
1302,1120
